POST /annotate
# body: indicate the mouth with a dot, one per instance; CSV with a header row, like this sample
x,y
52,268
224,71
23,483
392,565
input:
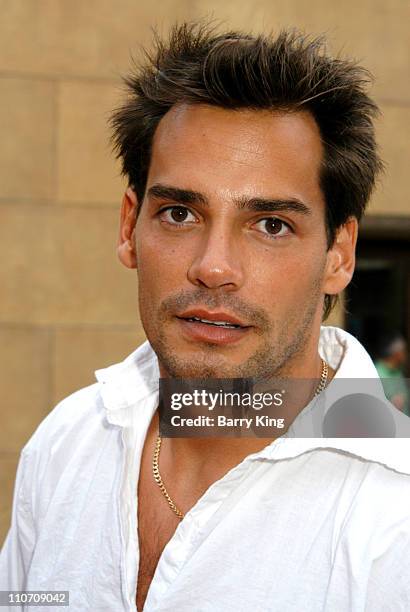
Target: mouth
x,y
214,328
220,318
224,324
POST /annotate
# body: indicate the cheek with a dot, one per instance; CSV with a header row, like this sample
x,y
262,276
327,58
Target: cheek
x,y
160,267
285,278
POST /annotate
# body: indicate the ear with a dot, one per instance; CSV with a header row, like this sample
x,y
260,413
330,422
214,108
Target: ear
x,y
341,258
126,241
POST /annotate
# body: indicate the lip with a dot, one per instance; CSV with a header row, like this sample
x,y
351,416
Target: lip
x,y
211,334
201,313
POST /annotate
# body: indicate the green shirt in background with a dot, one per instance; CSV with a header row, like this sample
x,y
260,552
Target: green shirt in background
x,y
394,383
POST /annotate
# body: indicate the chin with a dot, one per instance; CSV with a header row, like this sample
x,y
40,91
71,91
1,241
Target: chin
x,y
195,368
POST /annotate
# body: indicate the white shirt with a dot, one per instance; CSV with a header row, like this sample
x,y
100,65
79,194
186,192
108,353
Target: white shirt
x,y
306,524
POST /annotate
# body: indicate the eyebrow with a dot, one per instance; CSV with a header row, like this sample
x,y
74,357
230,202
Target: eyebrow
x,y
188,196
175,194
273,205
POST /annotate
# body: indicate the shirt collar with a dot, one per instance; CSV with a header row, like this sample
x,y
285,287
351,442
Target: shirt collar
x,y
344,353
132,385
125,385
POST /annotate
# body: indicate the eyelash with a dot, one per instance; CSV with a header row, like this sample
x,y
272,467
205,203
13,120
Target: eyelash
x,y
177,225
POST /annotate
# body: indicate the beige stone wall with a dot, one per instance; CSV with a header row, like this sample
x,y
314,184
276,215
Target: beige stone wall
x,y
67,306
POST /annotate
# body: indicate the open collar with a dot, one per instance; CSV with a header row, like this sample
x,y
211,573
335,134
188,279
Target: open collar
x,y
133,384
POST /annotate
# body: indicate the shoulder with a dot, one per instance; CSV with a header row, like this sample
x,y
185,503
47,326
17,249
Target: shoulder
x,y
83,432
68,437
377,514
77,414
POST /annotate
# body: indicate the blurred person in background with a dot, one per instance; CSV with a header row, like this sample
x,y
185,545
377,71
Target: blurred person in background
x,y
391,366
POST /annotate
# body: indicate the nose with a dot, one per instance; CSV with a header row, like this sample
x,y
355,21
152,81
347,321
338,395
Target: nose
x,y
217,262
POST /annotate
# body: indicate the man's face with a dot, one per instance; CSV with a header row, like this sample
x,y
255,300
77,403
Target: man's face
x,y
232,231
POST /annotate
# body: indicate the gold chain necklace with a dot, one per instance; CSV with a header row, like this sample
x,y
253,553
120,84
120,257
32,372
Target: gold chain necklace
x,y
323,378
155,466
158,479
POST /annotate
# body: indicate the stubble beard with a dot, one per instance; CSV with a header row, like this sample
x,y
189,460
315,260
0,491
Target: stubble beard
x,y
280,347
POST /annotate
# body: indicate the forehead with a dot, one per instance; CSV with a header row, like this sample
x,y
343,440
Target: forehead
x,y
241,151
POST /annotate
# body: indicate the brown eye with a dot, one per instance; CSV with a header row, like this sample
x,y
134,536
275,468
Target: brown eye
x,y
179,214
273,226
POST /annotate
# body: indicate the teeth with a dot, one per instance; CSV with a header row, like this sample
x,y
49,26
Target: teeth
x,y
218,323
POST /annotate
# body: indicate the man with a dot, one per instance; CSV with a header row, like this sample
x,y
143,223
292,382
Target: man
x,y
250,162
